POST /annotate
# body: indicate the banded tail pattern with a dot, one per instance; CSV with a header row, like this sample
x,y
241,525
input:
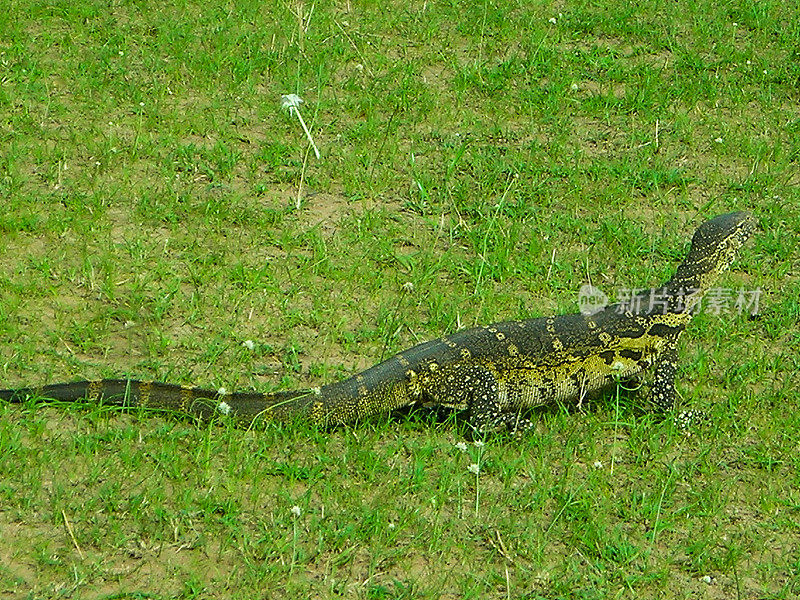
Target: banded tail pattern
x,y
185,400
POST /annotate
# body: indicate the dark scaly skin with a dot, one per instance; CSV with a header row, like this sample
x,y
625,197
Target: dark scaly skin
x,y
494,372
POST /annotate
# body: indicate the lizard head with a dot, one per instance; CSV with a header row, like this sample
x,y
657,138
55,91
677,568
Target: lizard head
x,y
715,245
723,232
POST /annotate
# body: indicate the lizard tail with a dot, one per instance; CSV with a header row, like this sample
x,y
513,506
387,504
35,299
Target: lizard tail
x,y
200,403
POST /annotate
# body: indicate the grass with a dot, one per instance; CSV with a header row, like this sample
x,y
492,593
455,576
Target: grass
x,y
496,156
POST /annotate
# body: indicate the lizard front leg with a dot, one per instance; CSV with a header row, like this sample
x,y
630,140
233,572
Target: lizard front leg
x,y
663,393
662,390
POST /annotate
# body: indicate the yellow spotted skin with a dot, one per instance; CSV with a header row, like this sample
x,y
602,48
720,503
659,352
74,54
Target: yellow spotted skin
x,y
495,372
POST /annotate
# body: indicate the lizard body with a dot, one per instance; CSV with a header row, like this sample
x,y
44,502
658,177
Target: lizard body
x,y
494,372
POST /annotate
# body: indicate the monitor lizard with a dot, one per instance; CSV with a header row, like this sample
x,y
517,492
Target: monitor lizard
x,y
494,373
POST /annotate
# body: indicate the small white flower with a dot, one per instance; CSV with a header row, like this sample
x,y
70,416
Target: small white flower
x,y
121,53
617,366
249,344
222,391
479,443
749,63
297,511
461,446
474,468
408,286
552,20
390,525
718,140
224,408
574,87
597,464
292,102
141,103
706,579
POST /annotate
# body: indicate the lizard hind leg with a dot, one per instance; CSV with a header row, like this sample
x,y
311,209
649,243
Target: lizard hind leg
x,y
510,423
477,390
